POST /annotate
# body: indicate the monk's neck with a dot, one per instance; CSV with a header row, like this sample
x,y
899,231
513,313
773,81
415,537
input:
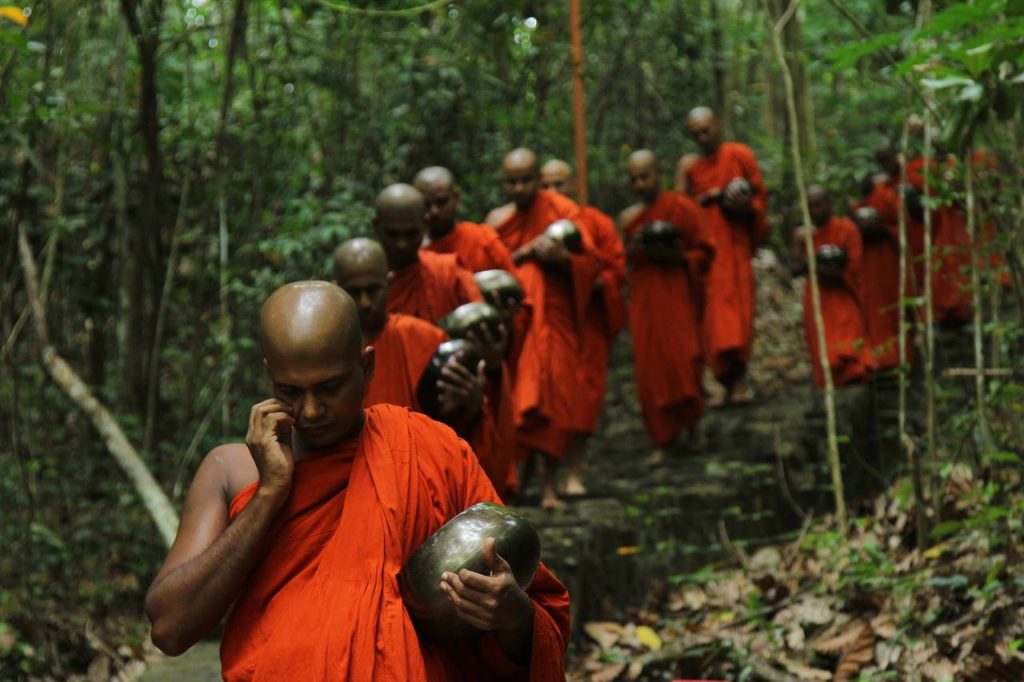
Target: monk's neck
x,y
442,232
304,452
528,205
370,334
653,199
407,267
711,151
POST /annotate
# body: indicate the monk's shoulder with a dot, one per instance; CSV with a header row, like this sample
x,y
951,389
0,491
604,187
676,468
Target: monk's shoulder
x,y
738,150
628,215
563,206
412,329
498,216
229,467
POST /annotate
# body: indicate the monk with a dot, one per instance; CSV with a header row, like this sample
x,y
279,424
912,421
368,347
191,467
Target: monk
x,y
605,317
879,290
849,356
404,346
559,284
666,283
476,246
298,535
735,215
887,200
424,284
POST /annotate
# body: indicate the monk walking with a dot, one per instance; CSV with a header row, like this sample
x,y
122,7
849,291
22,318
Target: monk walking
x,y
605,317
849,356
726,181
559,284
666,299
476,246
424,284
298,535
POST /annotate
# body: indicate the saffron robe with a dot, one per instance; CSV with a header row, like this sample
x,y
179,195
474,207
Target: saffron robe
x,y
403,349
665,320
545,392
432,287
323,603
879,289
477,248
849,356
605,317
729,322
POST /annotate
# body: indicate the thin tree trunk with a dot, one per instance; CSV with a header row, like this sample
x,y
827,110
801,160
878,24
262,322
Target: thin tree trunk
x,y
149,491
977,304
812,265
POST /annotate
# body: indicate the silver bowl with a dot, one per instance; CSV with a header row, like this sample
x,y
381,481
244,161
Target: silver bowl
x,y
459,544
566,232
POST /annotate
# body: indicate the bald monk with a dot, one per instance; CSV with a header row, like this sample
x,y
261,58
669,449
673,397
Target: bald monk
x,y
298,535
404,346
666,289
424,284
477,247
559,284
849,356
736,217
877,217
605,317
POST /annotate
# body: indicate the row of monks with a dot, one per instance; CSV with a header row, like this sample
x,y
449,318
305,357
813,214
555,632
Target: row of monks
x,y
540,384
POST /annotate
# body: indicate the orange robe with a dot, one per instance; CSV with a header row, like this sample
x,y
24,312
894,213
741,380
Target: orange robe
x,y
879,290
495,440
477,247
883,202
845,335
403,350
951,279
324,603
665,312
545,393
729,324
432,287
605,317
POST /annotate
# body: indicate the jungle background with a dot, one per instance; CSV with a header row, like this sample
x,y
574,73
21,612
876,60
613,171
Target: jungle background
x,y
167,163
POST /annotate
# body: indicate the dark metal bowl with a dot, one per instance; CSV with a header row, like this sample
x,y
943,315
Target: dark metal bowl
x,y
870,222
737,210
660,233
498,286
914,201
458,350
566,232
471,317
457,545
831,257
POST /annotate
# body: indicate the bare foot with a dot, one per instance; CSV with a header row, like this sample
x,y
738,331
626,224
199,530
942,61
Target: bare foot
x,y
549,501
574,485
695,442
656,458
741,393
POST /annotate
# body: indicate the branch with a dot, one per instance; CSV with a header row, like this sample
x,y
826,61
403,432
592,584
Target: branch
x,y
153,497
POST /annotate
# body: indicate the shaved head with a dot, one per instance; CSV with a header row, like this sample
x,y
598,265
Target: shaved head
x,y
556,175
309,320
441,196
521,180
642,167
314,355
819,204
361,269
704,128
400,224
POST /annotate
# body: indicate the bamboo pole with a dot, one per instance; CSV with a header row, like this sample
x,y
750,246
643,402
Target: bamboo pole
x,y
578,101
812,264
976,302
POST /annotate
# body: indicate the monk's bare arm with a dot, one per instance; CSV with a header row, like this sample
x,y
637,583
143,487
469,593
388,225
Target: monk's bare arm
x,y
210,559
497,217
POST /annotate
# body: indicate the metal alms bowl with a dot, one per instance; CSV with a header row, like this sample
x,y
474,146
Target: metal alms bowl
x,y
498,286
831,256
459,544
870,223
743,185
566,232
660,233
464,352
471,317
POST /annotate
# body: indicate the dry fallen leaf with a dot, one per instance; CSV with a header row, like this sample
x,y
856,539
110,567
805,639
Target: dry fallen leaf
x,y
861,652
608,673
805,672
606,634
649,638
830,642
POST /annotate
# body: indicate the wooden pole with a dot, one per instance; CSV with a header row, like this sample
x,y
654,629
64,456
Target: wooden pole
x,y
578,102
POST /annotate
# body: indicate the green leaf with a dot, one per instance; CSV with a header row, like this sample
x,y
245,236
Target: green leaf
x,y
945,529
1002,457
942,83
950,581
972,93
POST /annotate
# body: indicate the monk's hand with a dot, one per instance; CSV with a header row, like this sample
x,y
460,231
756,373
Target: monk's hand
x,y
550,252
493,344
522,254
461,393
269,440
665,255
738,197
711,196
492,603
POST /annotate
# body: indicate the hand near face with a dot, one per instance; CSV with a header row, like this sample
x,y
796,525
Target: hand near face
x,y
492,602
269,440
461,393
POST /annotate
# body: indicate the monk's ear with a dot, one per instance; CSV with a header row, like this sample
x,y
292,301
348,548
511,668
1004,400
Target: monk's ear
x,y
369,362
